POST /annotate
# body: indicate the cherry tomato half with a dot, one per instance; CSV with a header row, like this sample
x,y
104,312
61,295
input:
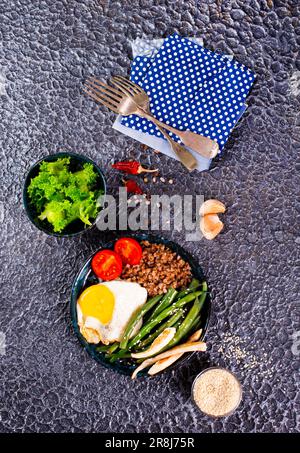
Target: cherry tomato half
x,y
107,265
129,250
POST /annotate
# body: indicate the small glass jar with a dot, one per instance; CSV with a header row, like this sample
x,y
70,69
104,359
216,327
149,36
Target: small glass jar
x,y
227,414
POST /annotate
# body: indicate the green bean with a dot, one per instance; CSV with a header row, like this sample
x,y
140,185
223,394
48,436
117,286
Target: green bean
x,y
136,318
195,323
165,302
160,317
119,355
102,348
190,318
192,287
204,287
177,324
185,292
194,283
169,323
184,300
113,348
146,329
203,297
185,326
194,327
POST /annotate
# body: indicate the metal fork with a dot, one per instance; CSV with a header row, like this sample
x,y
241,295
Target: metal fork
x,y
203,145
142,101
124,104
183,154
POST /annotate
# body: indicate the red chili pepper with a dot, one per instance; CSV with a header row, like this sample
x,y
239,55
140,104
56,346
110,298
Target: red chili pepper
x,y
132,187
132,167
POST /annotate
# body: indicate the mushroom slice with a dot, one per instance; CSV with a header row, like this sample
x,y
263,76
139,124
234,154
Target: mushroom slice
x,y
165,363
186,347
212,207
142,366
158,344
195,336
211,226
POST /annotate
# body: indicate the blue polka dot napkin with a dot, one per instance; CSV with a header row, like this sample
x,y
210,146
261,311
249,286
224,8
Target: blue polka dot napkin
x,y
191,88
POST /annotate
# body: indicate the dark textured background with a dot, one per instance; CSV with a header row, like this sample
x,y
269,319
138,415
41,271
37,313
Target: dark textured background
x,y
48,382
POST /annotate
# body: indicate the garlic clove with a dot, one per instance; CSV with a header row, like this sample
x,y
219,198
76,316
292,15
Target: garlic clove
x,y
211,226
212,207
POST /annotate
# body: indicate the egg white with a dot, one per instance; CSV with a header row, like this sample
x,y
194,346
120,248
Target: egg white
x,y
129,297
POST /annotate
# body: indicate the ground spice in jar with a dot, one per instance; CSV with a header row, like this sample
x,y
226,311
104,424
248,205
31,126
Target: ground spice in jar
x,y
217,392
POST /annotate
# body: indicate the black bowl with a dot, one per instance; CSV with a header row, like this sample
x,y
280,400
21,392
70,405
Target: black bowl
x,y
76,163
86,277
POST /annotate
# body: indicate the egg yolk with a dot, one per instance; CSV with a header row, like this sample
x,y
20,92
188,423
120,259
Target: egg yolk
x,y
97,301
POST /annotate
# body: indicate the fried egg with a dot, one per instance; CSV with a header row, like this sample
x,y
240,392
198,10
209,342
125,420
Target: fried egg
x,y
104,310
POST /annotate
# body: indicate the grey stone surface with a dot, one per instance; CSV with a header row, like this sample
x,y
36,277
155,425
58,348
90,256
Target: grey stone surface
x,y
48,382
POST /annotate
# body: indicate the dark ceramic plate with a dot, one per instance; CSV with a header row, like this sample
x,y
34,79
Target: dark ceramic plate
x,y
86,278
76,163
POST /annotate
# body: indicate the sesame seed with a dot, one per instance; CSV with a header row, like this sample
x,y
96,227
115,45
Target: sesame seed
x,y
217,392
236,350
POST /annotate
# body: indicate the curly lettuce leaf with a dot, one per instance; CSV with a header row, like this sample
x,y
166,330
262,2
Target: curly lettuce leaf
x,y
56,212
85,209
61,196
85,178
57,167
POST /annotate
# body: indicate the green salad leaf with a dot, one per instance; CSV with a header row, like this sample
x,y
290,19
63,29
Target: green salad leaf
x,y
61,196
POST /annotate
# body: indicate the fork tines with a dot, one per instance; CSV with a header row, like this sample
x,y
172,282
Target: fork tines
x,y
132,87
103,93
